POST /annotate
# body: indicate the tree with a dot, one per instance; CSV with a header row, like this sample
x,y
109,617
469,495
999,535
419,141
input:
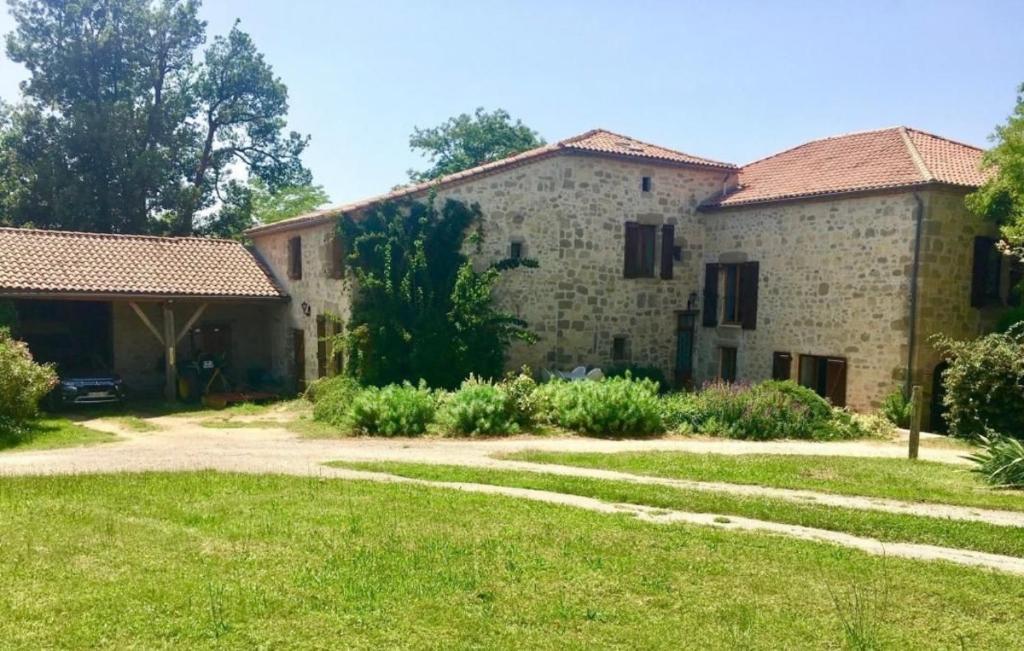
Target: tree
x,y
469,140
1001,198
125,125
420,310
252,204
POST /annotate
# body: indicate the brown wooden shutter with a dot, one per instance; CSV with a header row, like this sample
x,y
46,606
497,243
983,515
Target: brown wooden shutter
x,y
710,315
337,253
748,295
295,258
782,366
631,268
979,275
668,240
835,381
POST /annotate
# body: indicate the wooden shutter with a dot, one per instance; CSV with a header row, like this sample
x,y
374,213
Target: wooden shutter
x,y
748,295
835,381
782,365
668,240
631,268
295,258
337,258
979,275
321,345
337,359
710,316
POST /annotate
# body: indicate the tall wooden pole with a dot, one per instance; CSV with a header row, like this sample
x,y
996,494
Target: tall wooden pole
x,y
915,420
170,369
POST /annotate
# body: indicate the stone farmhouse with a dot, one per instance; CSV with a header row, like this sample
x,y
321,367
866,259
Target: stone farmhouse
x,y
831,263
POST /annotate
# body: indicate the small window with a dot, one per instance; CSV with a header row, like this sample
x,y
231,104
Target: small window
x,y
727,364
645,184
826,376
731,293
619,349
295,258
515,250
782,364
677,253
640,243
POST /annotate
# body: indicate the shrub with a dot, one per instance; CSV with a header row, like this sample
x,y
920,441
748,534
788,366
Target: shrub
x,y
896,408
679,412
985,384
1001,461
332,399
608,407
23,383
394,410
521,389
638,372
479,407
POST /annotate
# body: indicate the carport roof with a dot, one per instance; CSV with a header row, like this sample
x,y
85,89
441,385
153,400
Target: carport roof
x,y
43,263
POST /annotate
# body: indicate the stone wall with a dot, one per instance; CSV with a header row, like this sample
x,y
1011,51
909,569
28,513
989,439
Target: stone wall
x,y
834,281
568,212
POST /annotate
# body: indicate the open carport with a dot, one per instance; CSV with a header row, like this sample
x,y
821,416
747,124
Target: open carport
x,y
141,306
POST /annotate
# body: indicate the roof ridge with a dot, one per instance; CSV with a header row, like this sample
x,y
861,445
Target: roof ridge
x,y
915,155
176,238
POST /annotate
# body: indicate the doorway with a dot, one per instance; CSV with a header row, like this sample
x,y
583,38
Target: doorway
x,y
685,330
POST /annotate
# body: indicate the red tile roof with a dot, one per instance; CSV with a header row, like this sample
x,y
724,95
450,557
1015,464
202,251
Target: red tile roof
x,y
595,142
872,160
61,263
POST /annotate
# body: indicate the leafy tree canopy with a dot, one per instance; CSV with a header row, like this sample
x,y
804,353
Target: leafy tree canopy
x,y
127,123
247,205
469,140
1001,199
420,310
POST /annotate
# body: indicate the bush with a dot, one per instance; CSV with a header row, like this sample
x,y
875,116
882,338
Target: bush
x,y
985,384
769,410
896,408
1001,461
394,410
521,389
332,399
608,407
23,383
638,372
479,407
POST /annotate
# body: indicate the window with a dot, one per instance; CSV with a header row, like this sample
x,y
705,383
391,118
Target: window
x,y
986,273
782,364
826,376
639,250
336,258
619,349
677,253
645,184
727,364
321,346
295,258
515,250
737,284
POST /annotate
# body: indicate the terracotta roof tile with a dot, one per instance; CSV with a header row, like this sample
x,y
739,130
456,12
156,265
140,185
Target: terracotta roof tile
x,y
597,141
871,160
61,262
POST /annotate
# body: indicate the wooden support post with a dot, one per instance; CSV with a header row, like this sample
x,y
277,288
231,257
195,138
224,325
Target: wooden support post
x,y
170,370
915,420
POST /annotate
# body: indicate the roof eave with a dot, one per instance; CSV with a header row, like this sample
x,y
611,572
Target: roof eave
x,y
66,295
825,196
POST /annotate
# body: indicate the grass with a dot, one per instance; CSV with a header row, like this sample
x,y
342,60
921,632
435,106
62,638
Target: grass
x,y
229,423
233,561
133,423
52,432
902,479
889,527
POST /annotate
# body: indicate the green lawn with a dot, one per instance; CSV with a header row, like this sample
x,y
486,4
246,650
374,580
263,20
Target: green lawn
x,y
902,479
206,559
890,527
52,432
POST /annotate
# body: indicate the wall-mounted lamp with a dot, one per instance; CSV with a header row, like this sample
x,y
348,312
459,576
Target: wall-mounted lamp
x,y
306,309
691,302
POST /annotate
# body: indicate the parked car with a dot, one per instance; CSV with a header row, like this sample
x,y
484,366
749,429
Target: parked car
x,y
86,386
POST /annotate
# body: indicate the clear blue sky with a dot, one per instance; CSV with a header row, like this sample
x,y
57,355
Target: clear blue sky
x,y
729,80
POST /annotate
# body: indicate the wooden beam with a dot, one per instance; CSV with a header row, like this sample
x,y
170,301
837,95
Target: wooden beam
x,y
170,372
145,320
191,322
